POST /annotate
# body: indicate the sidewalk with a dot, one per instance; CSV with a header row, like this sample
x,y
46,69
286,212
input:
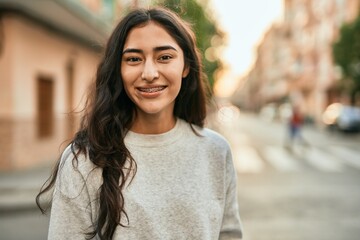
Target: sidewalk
x,y
18,189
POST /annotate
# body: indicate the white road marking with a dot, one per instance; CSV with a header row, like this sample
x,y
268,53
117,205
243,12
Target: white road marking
x,y
280,159
323,161
348,156
247,160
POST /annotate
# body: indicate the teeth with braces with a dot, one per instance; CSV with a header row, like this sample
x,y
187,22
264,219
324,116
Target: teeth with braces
x,y
151,90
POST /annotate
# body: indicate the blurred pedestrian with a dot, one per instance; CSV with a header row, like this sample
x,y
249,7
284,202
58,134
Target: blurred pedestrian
x,y
295,125
142,166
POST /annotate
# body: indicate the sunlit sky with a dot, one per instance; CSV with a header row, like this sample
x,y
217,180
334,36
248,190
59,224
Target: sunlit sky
x,y
244,22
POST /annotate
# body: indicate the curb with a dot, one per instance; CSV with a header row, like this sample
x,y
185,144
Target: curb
x,y
18,189
17,200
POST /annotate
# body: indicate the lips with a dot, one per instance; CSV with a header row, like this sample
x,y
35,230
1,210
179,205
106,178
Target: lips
x,y
151,89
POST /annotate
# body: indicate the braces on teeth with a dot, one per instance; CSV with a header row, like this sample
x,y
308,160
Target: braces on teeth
x,y
150,90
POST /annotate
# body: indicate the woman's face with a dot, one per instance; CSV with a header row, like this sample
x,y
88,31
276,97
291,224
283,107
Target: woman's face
x,y
152,68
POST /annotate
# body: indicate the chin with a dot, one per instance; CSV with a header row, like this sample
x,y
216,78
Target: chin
x,y
149,110
154,110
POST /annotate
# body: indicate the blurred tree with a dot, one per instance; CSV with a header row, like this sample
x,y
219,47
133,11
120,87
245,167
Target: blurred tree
x,y
209,37
347,55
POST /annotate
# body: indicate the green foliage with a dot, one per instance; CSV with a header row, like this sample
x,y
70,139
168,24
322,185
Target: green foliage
x,y
204,27
347,54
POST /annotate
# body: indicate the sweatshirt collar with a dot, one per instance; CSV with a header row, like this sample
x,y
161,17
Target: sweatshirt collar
x,y
156,140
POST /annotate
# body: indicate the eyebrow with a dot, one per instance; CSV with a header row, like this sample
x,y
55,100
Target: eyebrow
x,y
156,49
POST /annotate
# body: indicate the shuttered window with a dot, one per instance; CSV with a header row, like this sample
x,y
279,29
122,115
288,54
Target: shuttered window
x,y
45,108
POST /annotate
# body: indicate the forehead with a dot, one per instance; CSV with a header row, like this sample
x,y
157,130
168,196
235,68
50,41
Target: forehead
x,y
151,33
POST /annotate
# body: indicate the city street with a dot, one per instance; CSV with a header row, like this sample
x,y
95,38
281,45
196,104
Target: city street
x,y
100,64
308,193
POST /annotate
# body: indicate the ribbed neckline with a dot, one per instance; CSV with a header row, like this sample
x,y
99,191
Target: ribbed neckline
x,y
156,140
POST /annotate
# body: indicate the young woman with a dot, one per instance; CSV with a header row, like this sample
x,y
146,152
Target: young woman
x,y
142,166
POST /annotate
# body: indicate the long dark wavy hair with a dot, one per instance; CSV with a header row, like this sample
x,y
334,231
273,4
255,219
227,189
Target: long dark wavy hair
x,y
109,113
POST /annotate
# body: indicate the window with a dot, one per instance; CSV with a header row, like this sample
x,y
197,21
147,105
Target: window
x,y
70,99
45,111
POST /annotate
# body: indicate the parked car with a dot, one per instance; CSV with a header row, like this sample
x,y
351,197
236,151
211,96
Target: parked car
x,y
342,117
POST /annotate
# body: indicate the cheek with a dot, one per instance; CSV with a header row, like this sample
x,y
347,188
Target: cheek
x,y
129,90
126,84
176,75
179,81
124,73
176,86
128,77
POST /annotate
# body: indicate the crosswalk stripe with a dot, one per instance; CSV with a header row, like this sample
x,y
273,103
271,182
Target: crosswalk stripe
x,y
333,159
246,159
322,161
280,159
348,156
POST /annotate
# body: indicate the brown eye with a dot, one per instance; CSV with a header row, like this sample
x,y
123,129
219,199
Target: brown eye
x,y
133,59
165,58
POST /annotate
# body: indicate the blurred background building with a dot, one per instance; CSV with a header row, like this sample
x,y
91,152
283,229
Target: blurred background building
x,y
295,63
48,55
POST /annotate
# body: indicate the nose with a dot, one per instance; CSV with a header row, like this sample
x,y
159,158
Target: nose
x,y
150,71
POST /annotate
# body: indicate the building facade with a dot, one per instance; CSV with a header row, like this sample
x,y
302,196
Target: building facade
x,y
49,51
294,59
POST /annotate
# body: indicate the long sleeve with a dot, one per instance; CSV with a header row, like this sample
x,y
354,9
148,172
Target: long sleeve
x,y
71,209
231,226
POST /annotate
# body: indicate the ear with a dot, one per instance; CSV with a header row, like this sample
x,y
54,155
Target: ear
x,y
186,71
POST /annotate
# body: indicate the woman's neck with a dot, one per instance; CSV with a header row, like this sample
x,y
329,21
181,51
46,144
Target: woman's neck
x,y
153,124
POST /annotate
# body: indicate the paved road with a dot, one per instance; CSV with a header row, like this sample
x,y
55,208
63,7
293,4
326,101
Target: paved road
x,y
307,193
23,225
19,217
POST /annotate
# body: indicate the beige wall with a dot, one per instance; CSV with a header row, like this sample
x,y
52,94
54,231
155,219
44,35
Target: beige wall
x,y
31,51
6,60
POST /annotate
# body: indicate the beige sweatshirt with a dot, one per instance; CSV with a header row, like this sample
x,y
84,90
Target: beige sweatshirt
x,y
184,188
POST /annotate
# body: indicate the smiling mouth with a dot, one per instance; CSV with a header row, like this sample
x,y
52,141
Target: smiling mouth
x,y
152,89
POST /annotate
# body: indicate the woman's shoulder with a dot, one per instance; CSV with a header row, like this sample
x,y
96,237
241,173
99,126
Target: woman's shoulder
x,y
74,159
211,137
75,170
